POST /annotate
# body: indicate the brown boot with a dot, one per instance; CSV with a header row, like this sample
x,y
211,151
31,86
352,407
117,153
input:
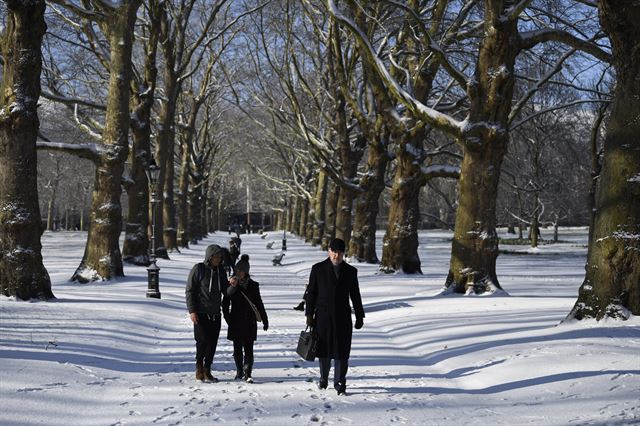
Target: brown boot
x,y
208,377
199,371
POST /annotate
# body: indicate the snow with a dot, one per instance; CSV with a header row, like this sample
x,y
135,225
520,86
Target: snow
x,y
104,354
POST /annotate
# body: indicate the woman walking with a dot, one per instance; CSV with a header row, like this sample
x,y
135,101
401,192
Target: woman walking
x,y
242,309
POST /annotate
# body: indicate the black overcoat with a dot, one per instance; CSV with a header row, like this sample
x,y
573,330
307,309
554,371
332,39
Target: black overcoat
x,y
328,299
242,323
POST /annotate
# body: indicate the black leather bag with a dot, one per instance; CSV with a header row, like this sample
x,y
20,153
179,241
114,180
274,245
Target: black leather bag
x,y
307,344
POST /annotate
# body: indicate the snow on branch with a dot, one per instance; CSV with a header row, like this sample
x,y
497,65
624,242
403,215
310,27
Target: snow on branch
x,y
88,151
72,101
435,118
91,15
441,170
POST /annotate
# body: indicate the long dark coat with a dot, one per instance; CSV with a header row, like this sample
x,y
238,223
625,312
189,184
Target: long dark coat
x,y
328,299
241,319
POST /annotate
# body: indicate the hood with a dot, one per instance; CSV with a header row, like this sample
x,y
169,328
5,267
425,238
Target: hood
x,y
212,250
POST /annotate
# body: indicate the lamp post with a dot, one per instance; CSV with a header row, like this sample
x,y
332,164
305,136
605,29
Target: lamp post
x,y
284,227
153,277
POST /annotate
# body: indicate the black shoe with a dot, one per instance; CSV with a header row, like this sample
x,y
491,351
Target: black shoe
x,y
322,384
341,388
300,306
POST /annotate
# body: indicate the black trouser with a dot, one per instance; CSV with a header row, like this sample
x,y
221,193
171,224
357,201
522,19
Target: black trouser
x,y
206,333
241,360
339,372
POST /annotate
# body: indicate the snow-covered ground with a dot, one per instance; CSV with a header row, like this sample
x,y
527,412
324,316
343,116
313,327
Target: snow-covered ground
x,y
104,354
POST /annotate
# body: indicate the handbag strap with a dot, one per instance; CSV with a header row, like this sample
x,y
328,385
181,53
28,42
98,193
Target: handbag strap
x,y
253,306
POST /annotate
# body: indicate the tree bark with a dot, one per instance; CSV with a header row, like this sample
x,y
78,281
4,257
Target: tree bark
x,y
475,243
185,198
135,249
474,248
330,223
102,258
611,287
400,242
363,236
303,217
320,209
22,272
294,219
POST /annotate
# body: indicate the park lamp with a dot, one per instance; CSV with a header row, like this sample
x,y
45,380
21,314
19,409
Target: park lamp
x,y
153,271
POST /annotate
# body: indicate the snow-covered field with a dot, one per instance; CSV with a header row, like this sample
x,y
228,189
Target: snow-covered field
x,y
104,354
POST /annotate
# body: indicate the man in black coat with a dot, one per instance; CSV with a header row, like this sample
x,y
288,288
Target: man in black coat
x,y
206,285
332,283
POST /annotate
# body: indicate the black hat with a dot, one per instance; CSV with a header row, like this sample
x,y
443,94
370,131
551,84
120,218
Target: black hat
x,y
243,266
337,245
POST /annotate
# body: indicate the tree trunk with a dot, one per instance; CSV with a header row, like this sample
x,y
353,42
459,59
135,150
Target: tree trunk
x,y
320,209
135,249
474,249
475,243
363,236
311,220
51,208
400,243
102,258
304,216
170,233
22,273
294,219
330,224
611,287
185,206
534,230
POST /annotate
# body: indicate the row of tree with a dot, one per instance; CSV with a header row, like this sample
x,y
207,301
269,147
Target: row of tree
x,y
343,100
440,89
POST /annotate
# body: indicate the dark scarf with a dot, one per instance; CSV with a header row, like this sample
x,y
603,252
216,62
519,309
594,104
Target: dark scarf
x,y
244,282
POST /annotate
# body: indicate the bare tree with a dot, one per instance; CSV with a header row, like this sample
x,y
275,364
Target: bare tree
x,y
22,273
484,132
143,86
611,287
102,258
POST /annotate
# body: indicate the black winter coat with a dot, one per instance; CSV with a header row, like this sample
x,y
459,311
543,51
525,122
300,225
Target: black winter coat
x,y
328,299
239,314
205,289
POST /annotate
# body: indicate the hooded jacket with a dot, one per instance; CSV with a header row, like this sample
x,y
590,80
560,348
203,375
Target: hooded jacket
x,y
206,285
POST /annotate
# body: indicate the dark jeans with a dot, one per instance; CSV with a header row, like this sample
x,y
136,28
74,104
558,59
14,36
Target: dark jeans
x,y
238,347
339,373
206,333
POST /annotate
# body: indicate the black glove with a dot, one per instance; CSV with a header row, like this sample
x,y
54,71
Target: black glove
x,y
310,321
265,325
359,323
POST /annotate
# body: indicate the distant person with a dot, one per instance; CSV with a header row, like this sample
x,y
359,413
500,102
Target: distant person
x,y
242,309
234,250
332,283
206,285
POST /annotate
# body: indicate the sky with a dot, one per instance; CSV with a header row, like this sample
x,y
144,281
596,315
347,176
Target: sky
x,y
104,354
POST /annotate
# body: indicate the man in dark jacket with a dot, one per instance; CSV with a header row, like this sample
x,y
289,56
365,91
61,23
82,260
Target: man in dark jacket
x,y
332,283
206,285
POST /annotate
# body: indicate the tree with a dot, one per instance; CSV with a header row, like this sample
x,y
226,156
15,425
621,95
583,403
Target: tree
x,y
484,133
611,287
143,85
22,272
102,259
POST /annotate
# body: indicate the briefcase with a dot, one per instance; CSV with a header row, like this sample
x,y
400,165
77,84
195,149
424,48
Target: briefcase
x,y
307,344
